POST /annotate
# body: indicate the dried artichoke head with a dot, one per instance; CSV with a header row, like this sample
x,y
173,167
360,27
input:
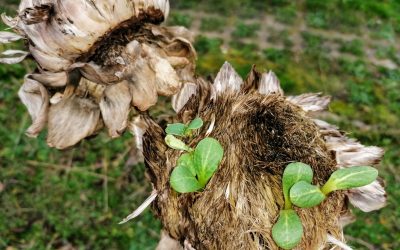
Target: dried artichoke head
x,y
262,131
95,61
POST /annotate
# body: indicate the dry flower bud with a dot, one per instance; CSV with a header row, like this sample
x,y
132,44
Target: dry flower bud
x,y
104,57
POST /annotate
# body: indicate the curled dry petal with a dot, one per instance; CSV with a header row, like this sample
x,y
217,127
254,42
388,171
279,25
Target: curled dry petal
x,y
327,129
142,84
269,84
166,80
95,73
141,208
368,198
9,21
36,14
51,79
71,120
338,243
13,56
311,102
349,152
8,37
227,79
115,106
138,127
36,98
346,218
179,100
167,243
90,90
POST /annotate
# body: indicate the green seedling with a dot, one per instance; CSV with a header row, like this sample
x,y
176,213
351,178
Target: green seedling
x,y
294,172
305,195
177,129
348,178
298,190
177,144
195,168
183,130
207,156
288,230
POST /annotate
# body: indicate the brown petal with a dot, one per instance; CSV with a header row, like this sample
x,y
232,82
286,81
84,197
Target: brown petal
x,y
13,56
95,73
9,21
142,84
8,37
179,100
269,84
115,106
36,14
327,129
166,80
36,98
72,120
368,198
167,243
227,79
311,102
137,128
349,152
144,94
51,79
338,243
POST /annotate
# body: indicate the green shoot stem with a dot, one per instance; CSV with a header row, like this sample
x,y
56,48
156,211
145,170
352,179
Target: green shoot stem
x,y
288,203
327,188
202,181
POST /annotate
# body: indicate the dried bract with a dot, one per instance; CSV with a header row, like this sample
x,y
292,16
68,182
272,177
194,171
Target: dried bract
x,y
262,131
117,46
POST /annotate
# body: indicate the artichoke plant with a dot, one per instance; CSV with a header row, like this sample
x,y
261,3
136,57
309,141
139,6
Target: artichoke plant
x,y
95,61
261,132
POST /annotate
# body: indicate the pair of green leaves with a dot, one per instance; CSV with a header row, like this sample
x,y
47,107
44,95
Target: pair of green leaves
x,y
297,187
298,190
195,167
180,129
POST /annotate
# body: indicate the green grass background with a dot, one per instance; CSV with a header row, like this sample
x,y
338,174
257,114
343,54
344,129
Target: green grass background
x,y
51,199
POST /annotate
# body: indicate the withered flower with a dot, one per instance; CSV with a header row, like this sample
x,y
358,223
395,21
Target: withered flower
x,y
261,131
96,60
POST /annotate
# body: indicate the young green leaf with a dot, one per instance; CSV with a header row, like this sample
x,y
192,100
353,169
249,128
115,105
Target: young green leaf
x,y
176,129
347,178
294,172
186,160
175,143
288,230
195,124
305,195
183,181
207,156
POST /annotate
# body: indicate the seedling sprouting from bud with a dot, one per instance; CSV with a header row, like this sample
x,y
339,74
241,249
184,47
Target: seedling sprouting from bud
x,y
298,190
294,173
347,178
175,143
180,129
305,195
287,232
195,168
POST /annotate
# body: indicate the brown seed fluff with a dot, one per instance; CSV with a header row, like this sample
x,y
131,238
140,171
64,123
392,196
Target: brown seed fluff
x,y
260,135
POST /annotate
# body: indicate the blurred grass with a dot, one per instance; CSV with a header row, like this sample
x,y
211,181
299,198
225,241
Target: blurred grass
x,y
51,199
